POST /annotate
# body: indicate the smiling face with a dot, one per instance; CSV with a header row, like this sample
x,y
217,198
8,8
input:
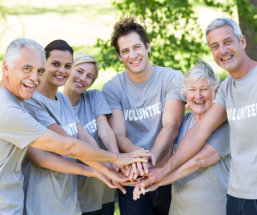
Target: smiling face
x,y
133,53
58,66
199,96
22,77
81,78
226,49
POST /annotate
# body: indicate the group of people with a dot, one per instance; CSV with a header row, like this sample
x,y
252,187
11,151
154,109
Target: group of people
x,y
64,153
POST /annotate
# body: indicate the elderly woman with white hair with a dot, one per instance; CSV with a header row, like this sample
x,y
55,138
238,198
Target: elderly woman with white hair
x,y
92,110
199,186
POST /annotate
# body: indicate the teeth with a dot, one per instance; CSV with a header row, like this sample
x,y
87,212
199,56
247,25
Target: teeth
x,y
79,84
224,59
199,103
59,76
30,84
135,62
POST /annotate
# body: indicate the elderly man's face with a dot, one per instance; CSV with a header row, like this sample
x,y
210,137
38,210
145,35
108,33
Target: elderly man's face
x,y
22,77
227,51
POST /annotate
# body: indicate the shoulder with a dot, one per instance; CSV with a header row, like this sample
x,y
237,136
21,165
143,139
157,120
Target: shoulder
x,y
93,94
168,72
115,82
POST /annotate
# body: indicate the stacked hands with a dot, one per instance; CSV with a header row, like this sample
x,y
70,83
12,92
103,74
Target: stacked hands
x,y
134,168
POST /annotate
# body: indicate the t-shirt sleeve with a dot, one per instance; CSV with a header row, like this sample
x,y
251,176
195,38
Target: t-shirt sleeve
x,y
173,79
67,105
39,112
111,94
220,96
19,127
220,139
101,106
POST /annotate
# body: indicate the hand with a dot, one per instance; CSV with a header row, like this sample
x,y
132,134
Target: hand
x,y
104,179
116,176
119,186
138,190
153,159
139,155
154,176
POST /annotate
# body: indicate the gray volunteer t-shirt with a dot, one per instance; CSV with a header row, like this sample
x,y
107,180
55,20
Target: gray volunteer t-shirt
x,y
204,191
143,103
92,193
239,98
50,192
17,130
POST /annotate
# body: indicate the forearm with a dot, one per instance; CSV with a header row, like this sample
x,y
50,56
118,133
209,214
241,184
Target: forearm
x,y
108,139
84,136
206,157
171,119
57,163
164,141
124,144
86,152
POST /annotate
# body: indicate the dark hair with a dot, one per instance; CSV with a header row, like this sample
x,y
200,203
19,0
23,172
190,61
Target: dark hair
x,y
126,26
58,45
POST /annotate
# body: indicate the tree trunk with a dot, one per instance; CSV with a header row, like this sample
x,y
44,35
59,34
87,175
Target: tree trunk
x,y
247,28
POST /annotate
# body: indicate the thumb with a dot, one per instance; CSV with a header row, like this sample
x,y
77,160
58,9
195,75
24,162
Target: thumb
x,y
153,159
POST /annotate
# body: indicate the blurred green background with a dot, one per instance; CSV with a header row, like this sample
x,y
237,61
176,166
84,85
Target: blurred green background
x,y
175,28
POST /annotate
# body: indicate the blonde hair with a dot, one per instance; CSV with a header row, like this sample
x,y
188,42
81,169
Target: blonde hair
x,y
80,58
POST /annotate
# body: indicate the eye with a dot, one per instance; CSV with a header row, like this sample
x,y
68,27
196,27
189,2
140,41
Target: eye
x,y
90,77
55,64
27,69
41,71
214,47
124,51
228,42
191,90
68,66
79,71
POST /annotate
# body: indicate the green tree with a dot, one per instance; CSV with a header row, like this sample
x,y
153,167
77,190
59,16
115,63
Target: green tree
x,y
175,35
177,40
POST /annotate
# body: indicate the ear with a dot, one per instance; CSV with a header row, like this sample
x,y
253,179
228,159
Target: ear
x,y
5,69
120,58
148,47
243,42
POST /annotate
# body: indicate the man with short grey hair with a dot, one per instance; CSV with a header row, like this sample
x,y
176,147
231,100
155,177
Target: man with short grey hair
x,y
236,101
23,64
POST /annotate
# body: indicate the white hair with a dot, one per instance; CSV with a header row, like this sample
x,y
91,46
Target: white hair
x,y
221,22
200,71
13,49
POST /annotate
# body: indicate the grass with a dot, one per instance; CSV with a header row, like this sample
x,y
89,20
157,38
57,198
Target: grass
x,y
89,10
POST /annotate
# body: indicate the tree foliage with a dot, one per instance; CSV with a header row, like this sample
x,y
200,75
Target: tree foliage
x,y
175,35
176,38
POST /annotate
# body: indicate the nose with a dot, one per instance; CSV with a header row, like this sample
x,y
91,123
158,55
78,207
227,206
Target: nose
x,y
223,49
133,54
198,94
34,75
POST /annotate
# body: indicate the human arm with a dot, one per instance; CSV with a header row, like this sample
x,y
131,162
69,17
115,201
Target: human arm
x,y
191,143
54,162
171,120
206,157
106,134
117,122
71,147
